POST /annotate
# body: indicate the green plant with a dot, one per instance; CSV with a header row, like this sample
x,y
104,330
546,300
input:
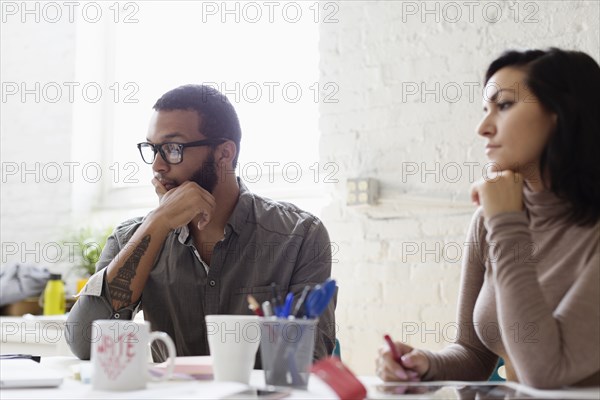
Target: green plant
x,y
85,246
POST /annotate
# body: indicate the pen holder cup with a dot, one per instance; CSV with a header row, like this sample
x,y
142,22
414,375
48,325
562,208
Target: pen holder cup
x,y
286,349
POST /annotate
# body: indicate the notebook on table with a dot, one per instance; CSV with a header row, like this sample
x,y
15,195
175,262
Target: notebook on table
x,y
21,373
187,367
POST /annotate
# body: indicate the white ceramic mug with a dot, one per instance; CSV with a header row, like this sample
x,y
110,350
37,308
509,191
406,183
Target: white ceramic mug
x,y
233,342
120,354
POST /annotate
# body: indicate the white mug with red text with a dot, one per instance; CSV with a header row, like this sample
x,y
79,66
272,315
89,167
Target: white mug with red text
x,y
120,353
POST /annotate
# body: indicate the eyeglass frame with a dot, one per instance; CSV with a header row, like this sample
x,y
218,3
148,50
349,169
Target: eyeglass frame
x,y
157,147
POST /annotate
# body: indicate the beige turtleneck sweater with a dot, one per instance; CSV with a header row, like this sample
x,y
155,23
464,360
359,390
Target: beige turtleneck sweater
x,y
530,293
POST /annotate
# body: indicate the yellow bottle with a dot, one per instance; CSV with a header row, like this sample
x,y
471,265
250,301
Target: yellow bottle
x,y
54,296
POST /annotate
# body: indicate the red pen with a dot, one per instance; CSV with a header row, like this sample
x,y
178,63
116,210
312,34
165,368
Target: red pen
x,y
392,347
254,306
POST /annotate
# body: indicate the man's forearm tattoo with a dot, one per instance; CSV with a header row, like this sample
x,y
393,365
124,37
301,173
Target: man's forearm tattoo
x,y
119,287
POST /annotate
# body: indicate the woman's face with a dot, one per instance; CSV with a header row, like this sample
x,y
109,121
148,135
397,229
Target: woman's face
x,y
515,125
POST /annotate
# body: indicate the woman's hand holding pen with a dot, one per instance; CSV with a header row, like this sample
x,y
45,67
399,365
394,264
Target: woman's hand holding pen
x,y
407,364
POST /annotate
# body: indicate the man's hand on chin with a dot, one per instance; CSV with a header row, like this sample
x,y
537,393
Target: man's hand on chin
x,y
183,204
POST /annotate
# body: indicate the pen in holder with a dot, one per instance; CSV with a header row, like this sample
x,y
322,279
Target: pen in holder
x,y
287,347
288,333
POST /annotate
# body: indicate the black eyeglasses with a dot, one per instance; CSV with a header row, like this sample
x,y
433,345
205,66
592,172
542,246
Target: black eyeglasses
x,y
172,152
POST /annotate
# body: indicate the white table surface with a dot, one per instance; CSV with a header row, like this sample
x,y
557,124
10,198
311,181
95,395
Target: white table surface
x,y
74,389
197,389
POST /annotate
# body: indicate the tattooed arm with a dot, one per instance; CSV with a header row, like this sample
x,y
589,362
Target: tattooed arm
x,y
128,258
120,285
127,247
128,272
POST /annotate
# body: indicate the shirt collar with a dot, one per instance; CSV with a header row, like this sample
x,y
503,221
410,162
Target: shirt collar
x,y
183,233
239,216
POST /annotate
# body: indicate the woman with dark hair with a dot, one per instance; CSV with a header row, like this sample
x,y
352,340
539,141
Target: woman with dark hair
x,y
530,290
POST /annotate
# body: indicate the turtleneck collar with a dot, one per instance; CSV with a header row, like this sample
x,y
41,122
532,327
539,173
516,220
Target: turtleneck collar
x,y
544,209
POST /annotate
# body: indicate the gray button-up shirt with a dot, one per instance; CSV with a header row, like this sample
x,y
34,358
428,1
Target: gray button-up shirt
x,y
265,241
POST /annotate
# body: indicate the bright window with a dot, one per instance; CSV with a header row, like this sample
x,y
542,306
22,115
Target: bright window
x,y
267,68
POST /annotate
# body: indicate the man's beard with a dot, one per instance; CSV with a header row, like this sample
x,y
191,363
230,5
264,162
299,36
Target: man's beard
x,y
206,176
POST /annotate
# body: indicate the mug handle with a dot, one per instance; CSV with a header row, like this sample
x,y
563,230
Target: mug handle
x,y
166,339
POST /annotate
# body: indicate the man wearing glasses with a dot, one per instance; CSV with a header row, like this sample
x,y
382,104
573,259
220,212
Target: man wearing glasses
x,y
209,243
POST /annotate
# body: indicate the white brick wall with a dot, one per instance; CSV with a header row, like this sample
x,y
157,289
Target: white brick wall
x,y
373,52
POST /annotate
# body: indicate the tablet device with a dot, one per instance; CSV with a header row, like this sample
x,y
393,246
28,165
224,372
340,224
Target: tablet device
x,y
447,390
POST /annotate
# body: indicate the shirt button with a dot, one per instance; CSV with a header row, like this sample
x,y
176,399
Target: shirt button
x,y
117,315
212,283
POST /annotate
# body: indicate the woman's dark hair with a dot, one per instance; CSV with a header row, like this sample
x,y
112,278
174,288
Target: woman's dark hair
x,y
567,83
218,118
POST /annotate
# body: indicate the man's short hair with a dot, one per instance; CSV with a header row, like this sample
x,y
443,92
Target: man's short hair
x,y
218,118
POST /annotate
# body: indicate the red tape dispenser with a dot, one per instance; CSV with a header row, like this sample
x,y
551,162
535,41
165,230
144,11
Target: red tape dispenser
x,y
333,372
